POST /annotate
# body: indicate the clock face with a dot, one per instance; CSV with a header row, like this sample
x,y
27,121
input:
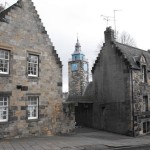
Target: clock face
x,y
85,67
74,67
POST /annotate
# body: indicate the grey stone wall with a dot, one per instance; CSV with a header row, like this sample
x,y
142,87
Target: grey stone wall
x,y
119,95
24,33
111,79
140,89
78,79
112,109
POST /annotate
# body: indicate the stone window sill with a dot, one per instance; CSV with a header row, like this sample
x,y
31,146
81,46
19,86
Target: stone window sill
x,y
32,120
143,83
3,123
33,78
5,75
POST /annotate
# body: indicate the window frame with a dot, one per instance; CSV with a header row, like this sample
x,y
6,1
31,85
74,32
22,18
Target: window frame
x,y
85,67
146,127
8,62
32,117
32,63
74,67
146,102
144,73
4,106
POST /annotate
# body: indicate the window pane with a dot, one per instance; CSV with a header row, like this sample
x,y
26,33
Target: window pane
x,y
32,107
4,117
4,61
1,115
145,100
144,127
33,65
148,126
3,109
5,103
5,99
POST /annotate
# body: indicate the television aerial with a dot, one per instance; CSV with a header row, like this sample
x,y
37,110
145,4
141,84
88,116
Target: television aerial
x,y
107,19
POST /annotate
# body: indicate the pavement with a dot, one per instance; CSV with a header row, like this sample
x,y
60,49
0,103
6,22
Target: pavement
x,y
81,139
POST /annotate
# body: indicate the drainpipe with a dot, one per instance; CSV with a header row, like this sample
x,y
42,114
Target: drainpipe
x,y
132,103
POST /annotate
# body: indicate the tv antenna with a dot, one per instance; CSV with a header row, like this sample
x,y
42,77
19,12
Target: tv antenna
x,y
107,18
115,22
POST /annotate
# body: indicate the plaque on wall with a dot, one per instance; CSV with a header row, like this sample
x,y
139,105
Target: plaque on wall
x,y
24,88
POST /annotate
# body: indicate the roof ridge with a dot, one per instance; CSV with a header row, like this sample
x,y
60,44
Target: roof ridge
x,y
130,46
130,52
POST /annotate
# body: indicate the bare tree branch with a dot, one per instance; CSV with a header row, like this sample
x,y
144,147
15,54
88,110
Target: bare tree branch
x,y
126,38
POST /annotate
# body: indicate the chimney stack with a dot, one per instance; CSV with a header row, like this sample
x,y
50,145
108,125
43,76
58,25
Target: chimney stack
x,y
109,35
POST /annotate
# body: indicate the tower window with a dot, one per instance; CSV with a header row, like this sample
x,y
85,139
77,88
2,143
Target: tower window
x,y
74,67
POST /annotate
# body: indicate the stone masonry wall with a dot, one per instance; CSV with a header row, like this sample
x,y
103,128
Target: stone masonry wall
x,y
78,79
111,81
140,89
24,34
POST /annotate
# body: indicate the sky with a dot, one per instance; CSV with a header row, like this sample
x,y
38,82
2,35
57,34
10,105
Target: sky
x,y
63,19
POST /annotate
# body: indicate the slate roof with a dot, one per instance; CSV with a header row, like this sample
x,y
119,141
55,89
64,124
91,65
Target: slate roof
x,y
5,12
133,54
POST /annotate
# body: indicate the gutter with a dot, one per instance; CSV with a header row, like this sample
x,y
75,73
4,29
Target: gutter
x,y
132,98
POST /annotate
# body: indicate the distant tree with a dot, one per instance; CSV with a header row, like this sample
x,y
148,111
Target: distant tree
x,y
2,7
123,38
126,38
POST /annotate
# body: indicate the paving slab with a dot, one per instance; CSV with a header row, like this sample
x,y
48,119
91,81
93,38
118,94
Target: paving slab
x,y
81,139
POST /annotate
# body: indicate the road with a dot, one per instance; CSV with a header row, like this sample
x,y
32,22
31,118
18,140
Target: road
x,y
81,139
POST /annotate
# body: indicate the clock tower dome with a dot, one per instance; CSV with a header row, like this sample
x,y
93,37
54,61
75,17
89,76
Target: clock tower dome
x,y
78,69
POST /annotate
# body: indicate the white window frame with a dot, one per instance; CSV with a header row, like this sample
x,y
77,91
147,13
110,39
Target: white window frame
x,y
4,60
33,104
3,108
33,65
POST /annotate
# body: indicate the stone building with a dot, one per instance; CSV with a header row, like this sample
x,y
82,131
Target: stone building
x,y
119,96
78,69
30,76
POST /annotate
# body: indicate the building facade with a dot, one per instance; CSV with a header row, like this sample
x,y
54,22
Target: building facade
x,y
119,95
78,69
30,76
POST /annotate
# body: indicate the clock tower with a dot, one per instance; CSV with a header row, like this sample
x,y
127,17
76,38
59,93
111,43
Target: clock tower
x,y
78,69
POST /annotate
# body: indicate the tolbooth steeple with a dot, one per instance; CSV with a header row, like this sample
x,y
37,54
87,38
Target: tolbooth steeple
x,y
78,72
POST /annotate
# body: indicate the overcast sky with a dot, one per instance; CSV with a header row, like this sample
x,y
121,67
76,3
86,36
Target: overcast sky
x,y
63,19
